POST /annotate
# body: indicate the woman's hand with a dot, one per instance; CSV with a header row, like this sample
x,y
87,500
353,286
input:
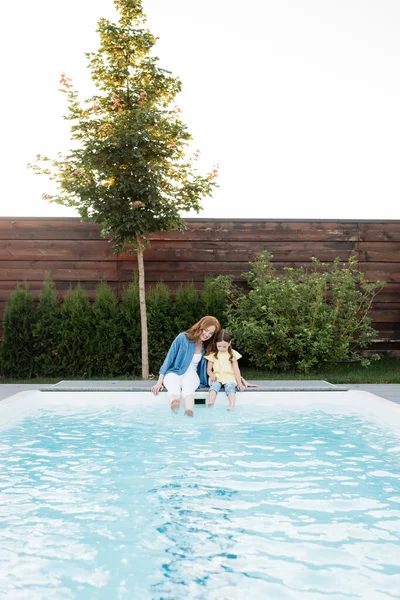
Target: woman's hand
x,y
158,386
249,385
213,377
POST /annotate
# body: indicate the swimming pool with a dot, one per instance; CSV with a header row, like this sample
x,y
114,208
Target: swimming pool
x,y
112,496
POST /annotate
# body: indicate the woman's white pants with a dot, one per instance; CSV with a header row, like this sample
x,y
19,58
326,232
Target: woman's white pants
x,y
186,384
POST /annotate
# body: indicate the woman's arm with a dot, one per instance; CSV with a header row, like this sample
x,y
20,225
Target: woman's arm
x,y
172,353
247,384
238,376
158,386
169,359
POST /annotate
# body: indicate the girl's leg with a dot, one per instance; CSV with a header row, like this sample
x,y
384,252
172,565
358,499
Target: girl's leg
x,y
172,383
190,383
231,400
214,389
211,398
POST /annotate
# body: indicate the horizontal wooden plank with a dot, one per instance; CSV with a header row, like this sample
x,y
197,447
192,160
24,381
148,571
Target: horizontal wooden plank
x,y
389,293
376,231
62,288
378,271
378,251
48,229
245,251
387,316
263,231
387,335
385,347
56,250
20,271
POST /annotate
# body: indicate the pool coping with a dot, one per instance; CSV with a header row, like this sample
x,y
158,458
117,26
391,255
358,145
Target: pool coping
x,y
145,386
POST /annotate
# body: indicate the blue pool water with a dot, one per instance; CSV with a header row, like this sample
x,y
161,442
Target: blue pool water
x,y
137,503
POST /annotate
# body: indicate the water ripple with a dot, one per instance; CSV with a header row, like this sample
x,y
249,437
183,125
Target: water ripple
x,y
138,503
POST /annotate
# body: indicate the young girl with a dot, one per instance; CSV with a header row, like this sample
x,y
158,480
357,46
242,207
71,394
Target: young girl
x,y
223,369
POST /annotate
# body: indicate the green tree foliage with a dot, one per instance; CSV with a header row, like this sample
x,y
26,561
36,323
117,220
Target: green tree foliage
x,y
187,307
161,325
106,340
17,354
128,169
47,332
76,345
303,319
130,334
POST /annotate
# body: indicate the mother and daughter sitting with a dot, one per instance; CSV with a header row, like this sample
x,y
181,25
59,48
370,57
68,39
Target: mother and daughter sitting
x,y
200,355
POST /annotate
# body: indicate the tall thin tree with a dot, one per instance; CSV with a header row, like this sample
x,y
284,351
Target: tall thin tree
x,y
129,168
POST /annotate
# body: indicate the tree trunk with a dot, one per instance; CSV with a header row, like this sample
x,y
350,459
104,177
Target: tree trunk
x,y
143,312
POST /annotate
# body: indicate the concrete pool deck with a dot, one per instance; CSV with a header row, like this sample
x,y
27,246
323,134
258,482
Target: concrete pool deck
x,y
389,391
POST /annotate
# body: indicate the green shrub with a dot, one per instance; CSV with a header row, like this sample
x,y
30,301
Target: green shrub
x,y
161,329
187,307
303,319
218,293
17,354
76,334
130,331
47,332
106,340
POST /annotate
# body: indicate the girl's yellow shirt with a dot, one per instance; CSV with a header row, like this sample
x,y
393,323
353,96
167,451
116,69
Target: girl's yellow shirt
x,y
222,366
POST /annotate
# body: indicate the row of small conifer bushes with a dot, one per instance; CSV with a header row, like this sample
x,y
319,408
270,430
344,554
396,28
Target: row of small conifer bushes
x,y
77,338
296,320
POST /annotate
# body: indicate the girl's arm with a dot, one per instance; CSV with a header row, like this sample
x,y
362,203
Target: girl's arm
x,y
238,376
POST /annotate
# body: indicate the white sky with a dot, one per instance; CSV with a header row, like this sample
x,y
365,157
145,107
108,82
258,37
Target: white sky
x,y
297,100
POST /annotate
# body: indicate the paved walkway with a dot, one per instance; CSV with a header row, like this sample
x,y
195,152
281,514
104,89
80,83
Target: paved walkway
x,y
388,391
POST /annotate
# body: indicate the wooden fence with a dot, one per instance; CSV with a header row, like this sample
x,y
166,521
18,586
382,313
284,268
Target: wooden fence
x,y
73,251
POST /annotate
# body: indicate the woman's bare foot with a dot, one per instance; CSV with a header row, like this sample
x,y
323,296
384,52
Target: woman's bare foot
x,y
189,412
231,407
211,403
175,404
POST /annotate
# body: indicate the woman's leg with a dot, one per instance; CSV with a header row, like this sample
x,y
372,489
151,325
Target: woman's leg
x,y
172,383
190,383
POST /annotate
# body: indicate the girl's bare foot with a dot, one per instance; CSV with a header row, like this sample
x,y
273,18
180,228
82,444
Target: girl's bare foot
x,y
189,412
231,407
175,404
211,403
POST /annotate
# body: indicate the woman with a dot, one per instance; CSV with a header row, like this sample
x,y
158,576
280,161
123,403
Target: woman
x,y
184,367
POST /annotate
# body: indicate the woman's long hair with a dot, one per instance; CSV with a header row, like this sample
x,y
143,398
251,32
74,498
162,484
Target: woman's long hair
x,y
223,336
194,333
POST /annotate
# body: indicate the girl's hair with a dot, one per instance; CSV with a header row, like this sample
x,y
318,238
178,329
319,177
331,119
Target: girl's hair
x,y
194,333
223,336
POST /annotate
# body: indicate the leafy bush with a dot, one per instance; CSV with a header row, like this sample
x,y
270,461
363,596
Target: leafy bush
x,y
130,331
218,293
187,307
76,334
47,332
160,324
107,326
17,354
303,319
